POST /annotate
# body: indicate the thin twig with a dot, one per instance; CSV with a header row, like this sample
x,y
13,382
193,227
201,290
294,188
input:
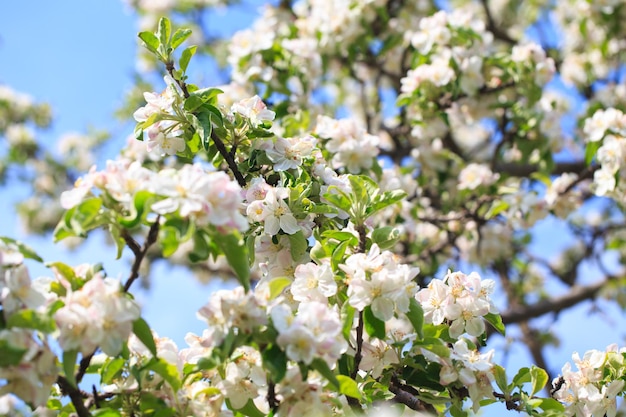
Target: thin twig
x,y
139,253
76,396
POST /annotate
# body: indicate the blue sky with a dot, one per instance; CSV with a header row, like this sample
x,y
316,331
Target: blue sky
x,y
79,56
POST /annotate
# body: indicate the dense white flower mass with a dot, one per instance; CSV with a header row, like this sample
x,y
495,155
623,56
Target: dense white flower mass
x,y
459,299
97,315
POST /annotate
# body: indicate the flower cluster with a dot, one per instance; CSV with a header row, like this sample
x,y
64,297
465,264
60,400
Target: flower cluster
x,y
459,300
592,388
232,310
163,130
468,366
350,144
608,127
304,339
97,315
31,376
190,192
377,280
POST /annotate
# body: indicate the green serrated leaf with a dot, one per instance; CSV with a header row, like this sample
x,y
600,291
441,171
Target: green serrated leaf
x,y
298,245
386,237
168,371
338,198
249,409
179,37
522,376
349,387
151,42
164,32
112,369
591,150
538,379
347,319
341,236
496,321
500,377
277,285
186,56
144,334
416,317
385,200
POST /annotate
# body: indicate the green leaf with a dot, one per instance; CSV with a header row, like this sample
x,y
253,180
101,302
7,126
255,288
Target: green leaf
x,y
193,103
202,123
548,404
236,252
359,189
457,411
435,345
209,95
10,355
299,245
275,361
341,236
69,365
347,318
385,200
277,285
185,57
249,409
322,367
522,376
338,198
179,37
349,387
538,379
201,246
168,371
22,248
144,334
151,42
496,321
164,32
416,317
338,254
590,151
111,369
500,376
30,319
386,237
215,113
374,326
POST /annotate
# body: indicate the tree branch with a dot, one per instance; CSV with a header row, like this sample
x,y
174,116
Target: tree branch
x,y
404,396
139,253
553,305
76,396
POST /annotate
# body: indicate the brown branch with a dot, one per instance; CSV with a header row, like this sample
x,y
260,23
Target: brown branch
x,y
553,305
76,396
524,170
140,253
230,160
403,395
